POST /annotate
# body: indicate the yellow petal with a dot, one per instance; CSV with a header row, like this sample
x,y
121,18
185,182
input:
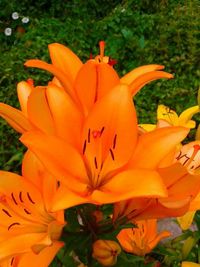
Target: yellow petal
x,y
15,118
186,115
148,127
167,114
186,220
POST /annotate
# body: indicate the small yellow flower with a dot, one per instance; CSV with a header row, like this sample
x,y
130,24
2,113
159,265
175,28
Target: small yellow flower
x,y
168,117
186,220
184,119
106,252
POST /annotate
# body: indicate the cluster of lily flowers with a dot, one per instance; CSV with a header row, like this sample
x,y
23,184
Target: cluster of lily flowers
x,y
85,146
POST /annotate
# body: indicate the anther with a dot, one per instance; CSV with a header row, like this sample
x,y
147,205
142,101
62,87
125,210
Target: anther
x,y
95,162
112,154
27,212
13,224
6,212
89,136
20,197
102,130
84,147
12,195
114,141
30,199
11,263
196,150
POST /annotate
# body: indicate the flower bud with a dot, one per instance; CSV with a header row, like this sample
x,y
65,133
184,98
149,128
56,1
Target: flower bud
x,y
106,252
187,246
98,215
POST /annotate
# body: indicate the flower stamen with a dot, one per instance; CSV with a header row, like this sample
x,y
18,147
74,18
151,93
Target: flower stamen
x,y
102,49
29,197
13,224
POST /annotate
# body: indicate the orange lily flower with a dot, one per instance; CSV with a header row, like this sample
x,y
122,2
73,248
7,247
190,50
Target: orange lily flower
x,y
182,181
31,259
142,239
27,225
97,173
86,83
59,117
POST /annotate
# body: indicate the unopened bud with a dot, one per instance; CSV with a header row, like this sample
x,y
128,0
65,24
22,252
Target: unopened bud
x,y
187,246
98,215
106,252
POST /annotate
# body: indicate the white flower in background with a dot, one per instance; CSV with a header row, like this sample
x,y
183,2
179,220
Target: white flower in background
x,y
25,19
8,31
15,15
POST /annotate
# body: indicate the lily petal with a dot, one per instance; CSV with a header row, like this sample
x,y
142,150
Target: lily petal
x,y
65,198
155,210
93,81
154,146
15,118
167,114
58,157
137,72
131,184
109,119
37,102
186,115
64,59
142,80
61,76
43,259
23,91
195,203
32,168
159,237
18,244
66,116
